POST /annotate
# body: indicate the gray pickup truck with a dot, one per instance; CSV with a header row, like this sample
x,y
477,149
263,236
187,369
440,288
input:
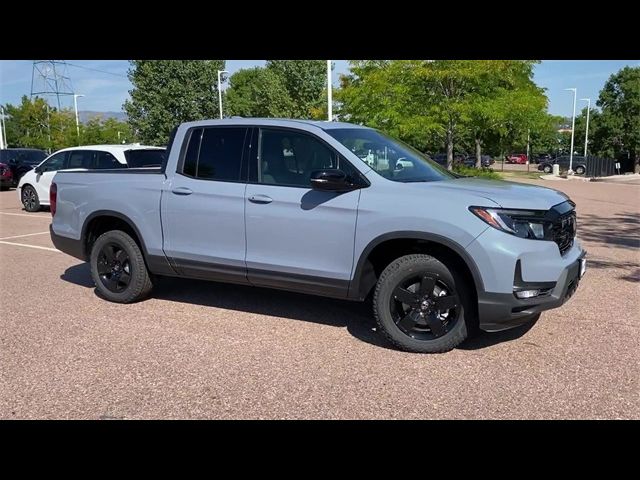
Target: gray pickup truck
x,y
330,209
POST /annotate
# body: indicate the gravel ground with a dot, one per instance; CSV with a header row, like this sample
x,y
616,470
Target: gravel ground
x,y
207,350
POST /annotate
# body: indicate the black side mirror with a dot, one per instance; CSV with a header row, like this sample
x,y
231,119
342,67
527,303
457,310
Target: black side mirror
x,y
39,169
330,179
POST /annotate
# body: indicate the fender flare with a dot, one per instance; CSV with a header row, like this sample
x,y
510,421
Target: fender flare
x,y
354,286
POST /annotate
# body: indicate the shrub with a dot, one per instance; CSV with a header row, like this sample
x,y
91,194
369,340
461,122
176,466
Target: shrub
x,y
476,172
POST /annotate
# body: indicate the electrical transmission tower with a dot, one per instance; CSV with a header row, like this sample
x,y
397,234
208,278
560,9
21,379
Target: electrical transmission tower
x,y
50,77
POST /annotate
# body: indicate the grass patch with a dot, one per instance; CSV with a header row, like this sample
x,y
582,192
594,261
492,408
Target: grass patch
x,y
477,172
517,175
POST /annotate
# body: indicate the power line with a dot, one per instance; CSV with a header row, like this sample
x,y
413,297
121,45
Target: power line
x,y
96,70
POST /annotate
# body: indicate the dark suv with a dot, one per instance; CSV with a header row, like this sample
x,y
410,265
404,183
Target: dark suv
x,y
20,161
579,164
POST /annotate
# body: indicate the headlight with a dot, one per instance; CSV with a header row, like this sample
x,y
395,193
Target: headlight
x,y
521,223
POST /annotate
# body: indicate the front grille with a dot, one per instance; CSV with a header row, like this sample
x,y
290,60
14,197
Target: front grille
x,y
563,231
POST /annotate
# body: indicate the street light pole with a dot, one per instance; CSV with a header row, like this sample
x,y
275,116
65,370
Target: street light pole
x,y
75,107
2,130
329,87
586,133
573,128
220,92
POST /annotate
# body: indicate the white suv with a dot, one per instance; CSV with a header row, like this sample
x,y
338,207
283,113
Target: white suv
x,y
33,188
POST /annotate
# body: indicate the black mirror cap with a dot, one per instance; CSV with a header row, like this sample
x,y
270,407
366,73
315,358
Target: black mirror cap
x,y
38,169
331,179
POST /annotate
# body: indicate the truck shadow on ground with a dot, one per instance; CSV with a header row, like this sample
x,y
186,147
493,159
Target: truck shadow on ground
x,y
356,317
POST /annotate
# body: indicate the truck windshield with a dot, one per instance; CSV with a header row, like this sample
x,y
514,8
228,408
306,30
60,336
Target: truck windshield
x,y
390,158
144,158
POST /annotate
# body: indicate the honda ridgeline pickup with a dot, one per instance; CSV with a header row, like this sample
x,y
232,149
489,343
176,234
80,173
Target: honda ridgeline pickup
x,y
293,205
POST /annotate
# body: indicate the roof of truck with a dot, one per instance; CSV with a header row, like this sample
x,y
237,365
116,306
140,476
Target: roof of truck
x,y
323,124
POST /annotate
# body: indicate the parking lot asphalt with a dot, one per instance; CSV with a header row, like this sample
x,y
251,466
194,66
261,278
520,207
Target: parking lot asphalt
x,y
208,350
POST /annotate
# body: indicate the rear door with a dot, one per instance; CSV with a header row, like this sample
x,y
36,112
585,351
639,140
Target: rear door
x,y
203,205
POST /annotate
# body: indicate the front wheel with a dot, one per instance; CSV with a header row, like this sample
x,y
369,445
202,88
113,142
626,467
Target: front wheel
x,y
580,170
547,169
419,305
30,200
118,269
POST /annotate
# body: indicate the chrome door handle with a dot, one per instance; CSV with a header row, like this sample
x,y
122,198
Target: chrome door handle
x,y
260,199
182,191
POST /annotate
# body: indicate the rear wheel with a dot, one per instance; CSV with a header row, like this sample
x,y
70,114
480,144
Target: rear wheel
x,y
419,305
580,170
547,169
30,200
118,269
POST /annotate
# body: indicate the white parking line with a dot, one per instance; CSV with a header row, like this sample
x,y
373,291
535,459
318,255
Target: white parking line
x,y
30,246
27,235
26,215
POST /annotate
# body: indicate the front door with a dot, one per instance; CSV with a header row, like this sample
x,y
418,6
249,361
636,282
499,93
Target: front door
x,y
48,169
298,238
203,206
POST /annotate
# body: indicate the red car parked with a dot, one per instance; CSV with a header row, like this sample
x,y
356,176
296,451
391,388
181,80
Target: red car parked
x,y
520,158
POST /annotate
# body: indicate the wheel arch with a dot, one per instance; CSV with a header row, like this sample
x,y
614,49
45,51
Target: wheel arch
x,y
102,221
405,242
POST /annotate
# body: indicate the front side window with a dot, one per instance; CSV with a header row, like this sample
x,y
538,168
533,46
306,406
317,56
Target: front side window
x,y
57,162
287,158
390,158
215,153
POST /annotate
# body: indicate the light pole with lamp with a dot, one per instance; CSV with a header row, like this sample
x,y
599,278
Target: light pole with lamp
x,y
586,133
573,128
75,107
329,87
220,91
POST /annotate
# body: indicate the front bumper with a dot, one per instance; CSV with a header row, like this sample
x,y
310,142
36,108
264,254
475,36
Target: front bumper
x,y
500,311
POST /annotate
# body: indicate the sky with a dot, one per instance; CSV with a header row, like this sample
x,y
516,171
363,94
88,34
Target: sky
x,y
105,85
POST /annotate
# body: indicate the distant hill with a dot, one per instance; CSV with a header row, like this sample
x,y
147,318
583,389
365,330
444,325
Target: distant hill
x,y
86,115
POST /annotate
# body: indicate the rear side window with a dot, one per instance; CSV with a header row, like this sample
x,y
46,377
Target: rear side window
x,y
80,159
144,158
105,160
215,153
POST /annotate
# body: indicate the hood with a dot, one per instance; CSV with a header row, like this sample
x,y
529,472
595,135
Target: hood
x,y
505,194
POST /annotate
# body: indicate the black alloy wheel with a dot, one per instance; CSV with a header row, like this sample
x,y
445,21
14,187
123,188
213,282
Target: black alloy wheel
x,y
114,267
424,307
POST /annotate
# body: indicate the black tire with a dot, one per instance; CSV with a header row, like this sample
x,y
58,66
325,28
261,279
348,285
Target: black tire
x,y
30,199
391,313
580,170
547,169
109,277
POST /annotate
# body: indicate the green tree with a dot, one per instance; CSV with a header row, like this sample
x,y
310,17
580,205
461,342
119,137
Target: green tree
x,y
304,81
168,92
617,128
283,88
36,124
257,92
444,102
98,131
504,104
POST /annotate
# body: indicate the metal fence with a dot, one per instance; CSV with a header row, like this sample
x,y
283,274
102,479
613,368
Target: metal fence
x,y
600,167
